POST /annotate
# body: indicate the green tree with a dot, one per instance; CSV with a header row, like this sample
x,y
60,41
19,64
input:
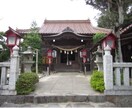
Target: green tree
x,y
115,11
4,51
33,39
105,21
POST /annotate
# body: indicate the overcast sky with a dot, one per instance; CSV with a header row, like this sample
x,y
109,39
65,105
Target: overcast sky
x,y
21,13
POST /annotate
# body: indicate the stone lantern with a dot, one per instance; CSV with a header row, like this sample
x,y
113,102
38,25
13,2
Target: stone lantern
x,y
99,59
27,59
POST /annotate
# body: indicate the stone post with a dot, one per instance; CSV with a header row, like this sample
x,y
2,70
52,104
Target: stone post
x,y
108,69
14,71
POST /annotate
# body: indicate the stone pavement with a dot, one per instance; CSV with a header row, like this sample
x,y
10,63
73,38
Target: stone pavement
x,y
70,83
62,90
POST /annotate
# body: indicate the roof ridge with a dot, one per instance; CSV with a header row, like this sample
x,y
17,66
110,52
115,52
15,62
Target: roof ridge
x,y
67,21
102,28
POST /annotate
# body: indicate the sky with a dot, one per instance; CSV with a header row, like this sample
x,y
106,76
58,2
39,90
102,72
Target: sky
x,y
21,13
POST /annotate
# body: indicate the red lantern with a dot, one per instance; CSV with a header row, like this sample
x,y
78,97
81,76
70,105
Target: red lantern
x,y
49,53
49,61
13,38
84,60
109,40
84,53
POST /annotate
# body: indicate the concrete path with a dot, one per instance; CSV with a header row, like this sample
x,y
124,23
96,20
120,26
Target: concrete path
x,y
71,83
64,90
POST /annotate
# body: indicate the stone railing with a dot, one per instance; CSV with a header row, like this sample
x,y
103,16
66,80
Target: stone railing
x,y
117,76
122,80
9,74
4,80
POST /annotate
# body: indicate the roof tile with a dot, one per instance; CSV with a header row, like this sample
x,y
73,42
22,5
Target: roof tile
x,y
57,26
78,26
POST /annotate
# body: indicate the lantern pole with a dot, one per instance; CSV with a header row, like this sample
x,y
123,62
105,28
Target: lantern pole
x,y
11,51
49,65
49,69
84,69
36,61
49,55
84,61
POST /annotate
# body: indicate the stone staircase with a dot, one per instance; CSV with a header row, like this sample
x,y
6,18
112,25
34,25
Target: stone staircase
x,y
79,100
56,102
23,99
75,67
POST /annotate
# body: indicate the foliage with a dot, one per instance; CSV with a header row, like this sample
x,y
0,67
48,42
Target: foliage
x,y
115,11
97,81
97,37
33,39
1,34
112,11
4,52
107,20
26,83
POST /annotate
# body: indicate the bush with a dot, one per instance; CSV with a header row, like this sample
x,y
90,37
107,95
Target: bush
x,y
97,81
97,37
26,83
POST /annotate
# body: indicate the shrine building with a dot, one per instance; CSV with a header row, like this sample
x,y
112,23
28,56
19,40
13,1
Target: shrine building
x,y
66,44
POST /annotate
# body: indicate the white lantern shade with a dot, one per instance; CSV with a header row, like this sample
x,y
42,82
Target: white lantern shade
x,y
54,54
11,40
1,47
17,41
80,54
110,43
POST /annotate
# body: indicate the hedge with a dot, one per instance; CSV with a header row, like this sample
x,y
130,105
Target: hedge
x,y
97,81
26,83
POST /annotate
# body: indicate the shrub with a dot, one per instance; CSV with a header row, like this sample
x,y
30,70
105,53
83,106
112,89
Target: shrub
x,y
26,83
97,81
97,37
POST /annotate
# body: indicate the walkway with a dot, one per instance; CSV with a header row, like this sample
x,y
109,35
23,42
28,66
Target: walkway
x,y
61,90
71,83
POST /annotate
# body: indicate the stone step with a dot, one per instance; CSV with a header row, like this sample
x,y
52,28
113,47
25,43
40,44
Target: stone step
x,y
76,98
19,99
62,105
67,68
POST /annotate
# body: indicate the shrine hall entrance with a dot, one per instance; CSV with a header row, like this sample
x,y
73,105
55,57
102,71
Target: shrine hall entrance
x,y
68,61
67,57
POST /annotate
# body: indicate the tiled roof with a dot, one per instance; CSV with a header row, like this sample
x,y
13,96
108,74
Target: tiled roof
x,y
24,31
78,26
12,30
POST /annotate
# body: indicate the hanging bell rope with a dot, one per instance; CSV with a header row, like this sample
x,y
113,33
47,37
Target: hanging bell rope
x,y
67,49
